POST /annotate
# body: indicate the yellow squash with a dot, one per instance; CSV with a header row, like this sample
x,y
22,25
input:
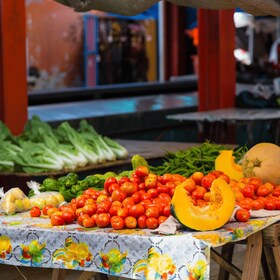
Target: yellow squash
x,y
225,163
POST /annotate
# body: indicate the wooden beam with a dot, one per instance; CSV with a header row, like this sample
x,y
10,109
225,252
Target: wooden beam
x,y
226,265
252,259
216,59
13,82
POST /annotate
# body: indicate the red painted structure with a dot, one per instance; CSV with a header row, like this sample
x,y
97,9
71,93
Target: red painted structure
x,y
216,60
216,71
13,84
174,40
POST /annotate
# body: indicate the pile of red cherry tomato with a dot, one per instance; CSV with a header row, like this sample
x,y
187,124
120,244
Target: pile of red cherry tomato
x,y
254,194
141,201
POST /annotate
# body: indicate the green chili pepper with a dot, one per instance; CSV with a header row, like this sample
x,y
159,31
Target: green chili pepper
x,y
198,158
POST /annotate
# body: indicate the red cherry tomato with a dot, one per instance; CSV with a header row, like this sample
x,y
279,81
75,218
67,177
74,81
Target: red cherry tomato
x,y
137,210
142,171
277,204
123,179
136,197
263,191
242,215
90,209
89,222
123,212
68,217
102,220
128,202
199,192
166,211
276,192
57,220
114,210
257,204
269,205
197,177
153,193
102,207
207,180
248,191
129,188
135,179
165,197
151,181
145,196
118,195
35,212
109,181
152,223
161,219
80,202
117,222
112,187
46,208
51,211
141,221
81,218
166,178
162,188
152,211
190,185
130,222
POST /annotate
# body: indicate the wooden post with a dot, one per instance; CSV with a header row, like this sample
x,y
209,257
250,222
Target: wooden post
x,y
217,76
13,78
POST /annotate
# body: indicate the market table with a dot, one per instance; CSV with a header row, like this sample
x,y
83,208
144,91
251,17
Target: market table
x,y
218,122
135,254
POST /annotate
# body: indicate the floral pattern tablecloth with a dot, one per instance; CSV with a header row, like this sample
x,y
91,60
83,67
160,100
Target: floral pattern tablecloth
x,y
136,254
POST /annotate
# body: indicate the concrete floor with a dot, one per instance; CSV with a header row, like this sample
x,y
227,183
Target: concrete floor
x,y
25,273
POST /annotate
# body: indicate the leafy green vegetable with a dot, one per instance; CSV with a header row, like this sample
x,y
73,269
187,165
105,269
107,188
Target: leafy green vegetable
x,y
8,153
41,132
41,148
36,157
67,134
5,134
96,141
120,151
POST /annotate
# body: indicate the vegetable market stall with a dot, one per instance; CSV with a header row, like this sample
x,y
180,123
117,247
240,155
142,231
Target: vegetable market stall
x,y
136,254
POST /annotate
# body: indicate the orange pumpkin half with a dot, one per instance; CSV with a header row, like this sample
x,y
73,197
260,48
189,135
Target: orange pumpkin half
x,y
210,217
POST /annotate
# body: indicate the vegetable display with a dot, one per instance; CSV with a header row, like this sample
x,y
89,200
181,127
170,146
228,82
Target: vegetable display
x,y
41,148
142,201
197,158
202,187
